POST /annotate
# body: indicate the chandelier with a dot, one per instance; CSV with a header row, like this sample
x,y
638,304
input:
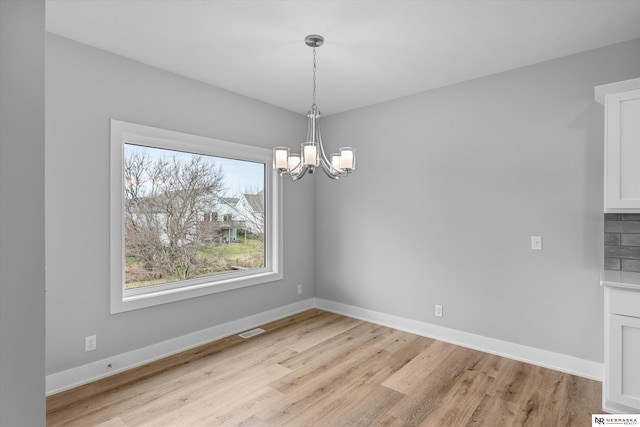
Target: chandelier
x,y
312,154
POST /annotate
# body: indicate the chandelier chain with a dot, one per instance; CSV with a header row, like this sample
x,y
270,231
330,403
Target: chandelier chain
x,y
313,105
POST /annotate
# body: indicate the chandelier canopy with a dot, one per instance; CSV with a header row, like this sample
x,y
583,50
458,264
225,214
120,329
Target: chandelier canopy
x,y
312,154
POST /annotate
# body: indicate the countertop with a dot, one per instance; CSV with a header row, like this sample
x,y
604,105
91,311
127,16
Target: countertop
x,y
620,279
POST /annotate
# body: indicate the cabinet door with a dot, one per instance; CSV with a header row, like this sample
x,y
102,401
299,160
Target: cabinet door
x,y
624,382
622,152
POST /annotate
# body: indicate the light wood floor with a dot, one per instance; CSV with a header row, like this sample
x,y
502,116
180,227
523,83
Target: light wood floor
x,y
322,369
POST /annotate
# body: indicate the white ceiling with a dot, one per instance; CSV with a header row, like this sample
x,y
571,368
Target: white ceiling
x,y
374,50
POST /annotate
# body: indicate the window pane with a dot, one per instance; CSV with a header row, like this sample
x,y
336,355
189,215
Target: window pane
x,y
188,216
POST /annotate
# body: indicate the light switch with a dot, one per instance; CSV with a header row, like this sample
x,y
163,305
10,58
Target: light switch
x,y
536,243
90,343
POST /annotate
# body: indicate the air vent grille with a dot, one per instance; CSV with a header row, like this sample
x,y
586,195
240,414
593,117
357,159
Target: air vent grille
x,y
251,333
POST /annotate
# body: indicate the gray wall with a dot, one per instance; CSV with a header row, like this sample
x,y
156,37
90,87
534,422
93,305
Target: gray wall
x,y
482,166
85,87
450,186
22,256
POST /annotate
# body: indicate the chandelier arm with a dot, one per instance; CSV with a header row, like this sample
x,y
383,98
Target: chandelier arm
x,y
311,125
326,166
324,161
329,173
323,156
303,172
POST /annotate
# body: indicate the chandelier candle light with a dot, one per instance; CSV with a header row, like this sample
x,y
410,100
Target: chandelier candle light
x,y
312,152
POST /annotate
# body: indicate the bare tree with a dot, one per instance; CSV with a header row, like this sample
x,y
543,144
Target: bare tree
x,y
164,202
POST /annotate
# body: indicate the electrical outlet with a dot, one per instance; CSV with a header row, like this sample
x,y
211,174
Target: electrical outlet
x,y
299,289
90,343
438,310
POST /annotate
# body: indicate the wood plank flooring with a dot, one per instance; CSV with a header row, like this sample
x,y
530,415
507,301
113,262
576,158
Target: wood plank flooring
x,y
323,369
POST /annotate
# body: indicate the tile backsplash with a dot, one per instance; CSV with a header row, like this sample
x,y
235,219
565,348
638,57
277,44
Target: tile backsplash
x,y
622,242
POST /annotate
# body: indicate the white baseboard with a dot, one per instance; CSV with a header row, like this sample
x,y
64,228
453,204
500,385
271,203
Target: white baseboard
x,y
616,408
547,359
93,371
99,369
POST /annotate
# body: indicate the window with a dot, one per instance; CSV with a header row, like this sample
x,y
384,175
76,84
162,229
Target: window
x,y
190,216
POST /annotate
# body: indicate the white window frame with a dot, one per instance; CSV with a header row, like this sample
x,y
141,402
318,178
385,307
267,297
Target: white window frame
x,y
125,300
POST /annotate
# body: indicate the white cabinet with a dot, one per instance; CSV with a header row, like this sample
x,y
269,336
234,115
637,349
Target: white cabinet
x,y
621,386
624,384
622,145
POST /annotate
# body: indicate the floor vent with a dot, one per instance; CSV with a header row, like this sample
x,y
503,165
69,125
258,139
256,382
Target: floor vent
x,y
251,333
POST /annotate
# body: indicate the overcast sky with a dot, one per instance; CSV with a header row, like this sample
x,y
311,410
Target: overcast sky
x,y
239,175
